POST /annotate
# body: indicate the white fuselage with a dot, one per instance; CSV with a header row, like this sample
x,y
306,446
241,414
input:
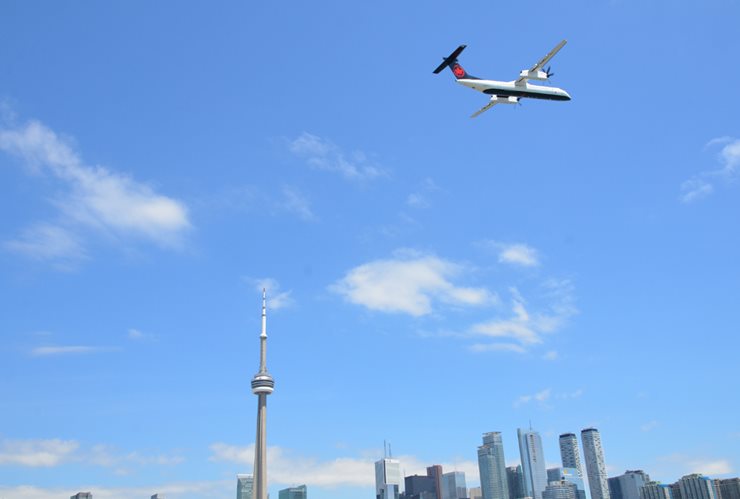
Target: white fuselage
x,y
511,89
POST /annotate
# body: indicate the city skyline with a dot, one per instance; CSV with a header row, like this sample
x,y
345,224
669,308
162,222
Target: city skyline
x,y
429,277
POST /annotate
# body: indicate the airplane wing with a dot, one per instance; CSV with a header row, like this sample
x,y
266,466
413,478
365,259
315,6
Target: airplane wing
x,y
484,108
543,61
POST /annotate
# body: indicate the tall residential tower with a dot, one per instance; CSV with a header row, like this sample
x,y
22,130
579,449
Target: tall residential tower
x,y
492,467
595,467
262,386
533,463
569,454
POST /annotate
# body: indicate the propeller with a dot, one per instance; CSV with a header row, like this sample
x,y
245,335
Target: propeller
x,y
548,72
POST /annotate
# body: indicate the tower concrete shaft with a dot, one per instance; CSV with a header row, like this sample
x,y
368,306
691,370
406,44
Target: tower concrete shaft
x,y
262,386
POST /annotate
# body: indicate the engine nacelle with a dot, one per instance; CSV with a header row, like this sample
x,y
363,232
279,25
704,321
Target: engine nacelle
x,y
499,99
534,75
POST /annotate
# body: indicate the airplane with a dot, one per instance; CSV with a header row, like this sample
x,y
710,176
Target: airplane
x,y
507,92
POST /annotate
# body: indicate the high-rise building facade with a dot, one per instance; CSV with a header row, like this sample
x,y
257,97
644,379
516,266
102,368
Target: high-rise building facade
x,y
515,482
696,486
262,386
729,488
475,493
595,466
560,489
627,486
244,486
569,454
492,467
299,492
656,490
388,478
533,463
569,475
435,471
453,485
420,487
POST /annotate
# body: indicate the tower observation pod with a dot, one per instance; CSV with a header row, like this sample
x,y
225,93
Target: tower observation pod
x,y
262,386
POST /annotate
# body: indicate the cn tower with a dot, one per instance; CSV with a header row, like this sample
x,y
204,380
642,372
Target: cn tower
x,y
262,386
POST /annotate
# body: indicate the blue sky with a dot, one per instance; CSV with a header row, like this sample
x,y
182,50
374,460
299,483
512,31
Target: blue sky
x,y
431,277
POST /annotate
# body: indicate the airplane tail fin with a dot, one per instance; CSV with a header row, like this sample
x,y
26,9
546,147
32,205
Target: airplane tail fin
x,y
451,62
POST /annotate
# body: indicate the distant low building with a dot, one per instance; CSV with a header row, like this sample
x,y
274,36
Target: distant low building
x,y
157,496
475,493
299,492
570,475
628,485
244,486
696,486
82,495
560,490
453,485
656,490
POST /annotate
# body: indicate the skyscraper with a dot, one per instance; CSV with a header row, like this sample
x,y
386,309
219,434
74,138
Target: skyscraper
x,y
569,475
656,490
729,488
696,486
388,478
560,490
627,486
569,454
533,463
299,492
262,386
420,487
244,486
492,467
435,471
515,481
595,467
453,485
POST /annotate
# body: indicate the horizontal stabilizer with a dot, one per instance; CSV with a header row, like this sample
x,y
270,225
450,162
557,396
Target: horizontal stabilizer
x,y
450,59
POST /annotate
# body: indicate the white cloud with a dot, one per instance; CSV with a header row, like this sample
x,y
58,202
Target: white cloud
x,y
322,154
276,299
541,397
408,283
297,203
206,489
692,464
649,426
528,329
497,347
47,242
288,468
519,254
36,453
96,198
702,184
135,334
551,355
50,350
420,198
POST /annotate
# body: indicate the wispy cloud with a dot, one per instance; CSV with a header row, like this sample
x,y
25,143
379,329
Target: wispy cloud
x,y
94,198
702,185
47,242
276,298
322,154
526,328
519,254
420,197
543,397
295,202
550,355
409,283
37,453
205,489
286,467
54,350
649,426
692,464
497,347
